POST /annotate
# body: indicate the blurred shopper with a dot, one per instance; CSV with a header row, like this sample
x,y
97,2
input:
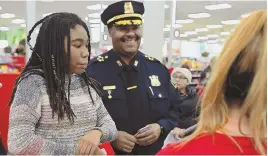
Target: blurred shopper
x,y
187,118
20,50
137,91
55,107
233,110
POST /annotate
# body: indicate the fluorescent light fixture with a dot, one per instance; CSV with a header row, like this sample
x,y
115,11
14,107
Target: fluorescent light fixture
x,y
201,29
94,15
190,32
203,37
44,15
218,6
199,15
4,28
195,39
183,35
3,43
230,22
94,25
18,21
95,21
166,29
245,15
48,0
0,8
86,18
214,26
7,15
176,26
166,6
212,36
167,26
225,33
184,21
23,25
104,6
212,41
94,7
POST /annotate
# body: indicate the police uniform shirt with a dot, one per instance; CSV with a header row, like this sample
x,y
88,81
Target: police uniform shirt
x,y
137,94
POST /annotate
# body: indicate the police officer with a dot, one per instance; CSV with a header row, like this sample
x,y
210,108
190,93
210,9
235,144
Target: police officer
x,y
137,91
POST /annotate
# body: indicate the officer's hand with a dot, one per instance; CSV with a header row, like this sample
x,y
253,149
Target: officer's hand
x,y
150,136
89,143
178,132
124,142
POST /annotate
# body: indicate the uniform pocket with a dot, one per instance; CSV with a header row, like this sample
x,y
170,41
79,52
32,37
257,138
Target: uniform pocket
x,y
159,99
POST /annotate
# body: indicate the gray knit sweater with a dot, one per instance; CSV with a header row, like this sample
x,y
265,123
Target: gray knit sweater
x,y
33,131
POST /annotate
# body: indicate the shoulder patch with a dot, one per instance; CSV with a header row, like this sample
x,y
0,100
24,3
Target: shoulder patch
x,y
173,83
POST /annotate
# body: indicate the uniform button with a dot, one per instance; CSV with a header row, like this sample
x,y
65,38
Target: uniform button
x,y
160,95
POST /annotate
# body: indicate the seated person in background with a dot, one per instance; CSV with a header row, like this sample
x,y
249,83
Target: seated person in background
x,y
233,118
183,78
55,107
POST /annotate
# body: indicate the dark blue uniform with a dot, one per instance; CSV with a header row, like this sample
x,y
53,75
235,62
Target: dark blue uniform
x,y
137,94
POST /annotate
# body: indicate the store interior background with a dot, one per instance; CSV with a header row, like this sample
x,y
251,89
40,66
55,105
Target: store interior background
x,y
176,33
193,31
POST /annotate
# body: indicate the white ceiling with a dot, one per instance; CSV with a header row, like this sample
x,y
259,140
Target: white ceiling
x,y
183,8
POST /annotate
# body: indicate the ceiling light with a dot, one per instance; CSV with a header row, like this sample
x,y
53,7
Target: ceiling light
x,y
18,21
104,6
7,15
167,26
48,0
190,32
23,25
203,38
183,35
218,6
201,29
86,18
94,25
225,33
199,15
245,15
195,39
214,26
95,21
94,15
212,36
176,26
44,15
0,8
3,43
212,41
230,22
4,28
184,21
166,6
94,7
166,29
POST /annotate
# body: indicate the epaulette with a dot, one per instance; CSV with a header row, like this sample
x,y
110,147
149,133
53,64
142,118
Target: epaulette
x,y
99,58
151,59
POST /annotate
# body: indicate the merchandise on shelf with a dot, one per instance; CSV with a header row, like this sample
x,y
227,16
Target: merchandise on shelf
x,y
11,64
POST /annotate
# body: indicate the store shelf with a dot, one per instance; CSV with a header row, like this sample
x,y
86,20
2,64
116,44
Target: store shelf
x,y
196,70
196,76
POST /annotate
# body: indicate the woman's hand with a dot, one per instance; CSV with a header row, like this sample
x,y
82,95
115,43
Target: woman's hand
x,y
88,144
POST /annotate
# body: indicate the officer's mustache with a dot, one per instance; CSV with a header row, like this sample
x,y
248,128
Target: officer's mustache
x,y
130,37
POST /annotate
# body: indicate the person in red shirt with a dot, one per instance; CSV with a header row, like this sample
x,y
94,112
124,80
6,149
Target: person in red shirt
x,y
233,113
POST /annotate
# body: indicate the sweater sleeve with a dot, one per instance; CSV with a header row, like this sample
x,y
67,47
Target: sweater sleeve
x,y
25,113
105,123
